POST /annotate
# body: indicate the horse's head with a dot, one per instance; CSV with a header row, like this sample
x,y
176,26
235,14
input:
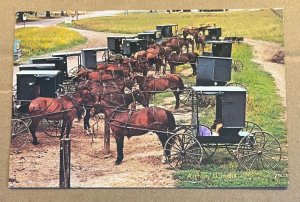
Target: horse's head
x,y
96,109
137,79
82,72
80,112
87,96
129,83
139,97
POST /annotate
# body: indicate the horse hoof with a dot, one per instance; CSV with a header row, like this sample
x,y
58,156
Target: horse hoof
x,y
35,142
118,162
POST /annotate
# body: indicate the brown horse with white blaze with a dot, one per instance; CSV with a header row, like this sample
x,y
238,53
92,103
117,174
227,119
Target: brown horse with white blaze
x,y
135,123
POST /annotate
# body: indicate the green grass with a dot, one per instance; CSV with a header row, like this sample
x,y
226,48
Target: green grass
x,y
262,24
263,107
37,41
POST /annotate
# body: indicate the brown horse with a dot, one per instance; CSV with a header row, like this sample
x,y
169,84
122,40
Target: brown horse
x,y
64,108
193,30
134,123
175,59
140,65
179,42
150,85
107,88
100,75
200,40
114,67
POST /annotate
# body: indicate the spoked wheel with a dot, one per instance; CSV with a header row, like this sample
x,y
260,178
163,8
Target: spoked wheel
x,y
182,150
51,127
237,65
250,127
259,150
19,132
73,72
185,97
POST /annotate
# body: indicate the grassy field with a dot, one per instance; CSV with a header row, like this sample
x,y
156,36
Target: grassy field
x,y
262,24
263,107
38,41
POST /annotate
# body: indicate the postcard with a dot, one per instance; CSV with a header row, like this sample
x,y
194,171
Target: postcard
x,y
149,99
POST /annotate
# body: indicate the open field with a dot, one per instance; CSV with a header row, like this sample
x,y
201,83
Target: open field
x,y
262,24
37,41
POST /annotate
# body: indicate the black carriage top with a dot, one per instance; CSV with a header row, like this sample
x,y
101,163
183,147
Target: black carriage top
x,y
230,107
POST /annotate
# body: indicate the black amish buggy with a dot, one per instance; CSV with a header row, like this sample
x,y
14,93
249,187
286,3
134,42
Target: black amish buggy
x,y
168,30
90,57
152,36
58,61
213,71
212,33
114,43
252,147
219,49
131,46
37,83
71,70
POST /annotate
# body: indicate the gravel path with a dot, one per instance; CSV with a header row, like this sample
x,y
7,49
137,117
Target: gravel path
x,y
263,52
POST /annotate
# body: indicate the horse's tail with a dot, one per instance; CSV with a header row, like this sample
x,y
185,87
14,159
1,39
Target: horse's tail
x,y
24,108
171,121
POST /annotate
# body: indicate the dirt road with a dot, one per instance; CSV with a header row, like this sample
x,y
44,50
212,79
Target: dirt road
x,y
263,52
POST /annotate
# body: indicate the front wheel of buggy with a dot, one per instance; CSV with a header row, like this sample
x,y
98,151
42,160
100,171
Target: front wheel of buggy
x,y
183,151
259,150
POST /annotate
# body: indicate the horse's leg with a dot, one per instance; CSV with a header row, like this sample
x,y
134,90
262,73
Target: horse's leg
x,y
120,145
32,127
194,68
147,98
86,121
163,139
176,94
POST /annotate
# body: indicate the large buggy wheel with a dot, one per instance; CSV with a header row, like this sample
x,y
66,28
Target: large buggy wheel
x,y
19,132
237,65
259,150
51,128
73,72
250,127
183,150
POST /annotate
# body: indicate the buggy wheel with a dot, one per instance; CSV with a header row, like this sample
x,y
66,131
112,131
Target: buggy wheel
x,y
250,127
182,150
19,131
51,128
73,72
237,65
259,150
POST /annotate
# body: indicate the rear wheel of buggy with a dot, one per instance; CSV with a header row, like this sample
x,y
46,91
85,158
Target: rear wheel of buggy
x,y
183,151
51,128
19,132
237,65
250,127
259,150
